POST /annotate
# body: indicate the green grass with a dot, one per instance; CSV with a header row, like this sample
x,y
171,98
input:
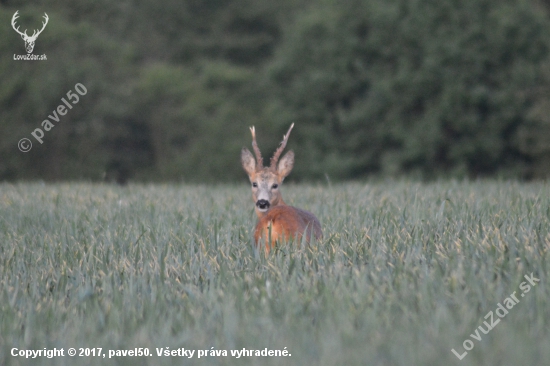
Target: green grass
x,y
405,273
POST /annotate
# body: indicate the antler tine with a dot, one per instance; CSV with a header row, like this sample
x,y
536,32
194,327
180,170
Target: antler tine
x,y
259,159
46,18
277,154
13,20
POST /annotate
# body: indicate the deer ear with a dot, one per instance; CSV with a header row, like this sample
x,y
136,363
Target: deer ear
x,y
248,162
286,164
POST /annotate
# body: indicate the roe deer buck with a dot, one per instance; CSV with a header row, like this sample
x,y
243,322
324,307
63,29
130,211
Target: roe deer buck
x,y
275,217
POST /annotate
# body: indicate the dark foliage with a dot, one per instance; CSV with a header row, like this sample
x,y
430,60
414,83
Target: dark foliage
x,y
421,88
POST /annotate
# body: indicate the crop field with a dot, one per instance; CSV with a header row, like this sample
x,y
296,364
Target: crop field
x,y
405,273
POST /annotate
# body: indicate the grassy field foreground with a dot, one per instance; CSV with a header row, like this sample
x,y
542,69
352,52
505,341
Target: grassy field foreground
x,y
405,273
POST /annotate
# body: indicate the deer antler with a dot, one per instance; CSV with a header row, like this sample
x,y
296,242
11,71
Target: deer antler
x,y
13,19
277,154
24,34
43,26
259,159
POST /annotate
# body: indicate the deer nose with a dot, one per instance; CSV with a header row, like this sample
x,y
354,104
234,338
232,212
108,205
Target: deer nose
x,y
262,204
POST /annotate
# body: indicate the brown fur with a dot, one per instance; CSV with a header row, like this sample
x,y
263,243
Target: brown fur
x,y
286,223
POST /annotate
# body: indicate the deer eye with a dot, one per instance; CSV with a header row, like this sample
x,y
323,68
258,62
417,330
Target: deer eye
x,y
275,186
255,185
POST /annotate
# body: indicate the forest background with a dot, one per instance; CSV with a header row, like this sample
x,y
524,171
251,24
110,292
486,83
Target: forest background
x,y
400,88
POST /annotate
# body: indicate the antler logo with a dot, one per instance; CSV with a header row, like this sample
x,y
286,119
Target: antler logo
x,y
29,40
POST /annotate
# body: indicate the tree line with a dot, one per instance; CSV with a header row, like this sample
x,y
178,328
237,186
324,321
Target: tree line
x,y
417,88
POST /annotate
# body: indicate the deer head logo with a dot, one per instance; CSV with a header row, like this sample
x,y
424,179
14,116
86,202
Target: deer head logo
x,y
29,40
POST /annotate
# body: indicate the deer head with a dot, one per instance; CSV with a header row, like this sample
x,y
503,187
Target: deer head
x,y
267,180
29,41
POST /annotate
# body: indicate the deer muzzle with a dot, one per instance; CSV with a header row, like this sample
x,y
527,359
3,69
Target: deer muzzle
x,y
263,205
